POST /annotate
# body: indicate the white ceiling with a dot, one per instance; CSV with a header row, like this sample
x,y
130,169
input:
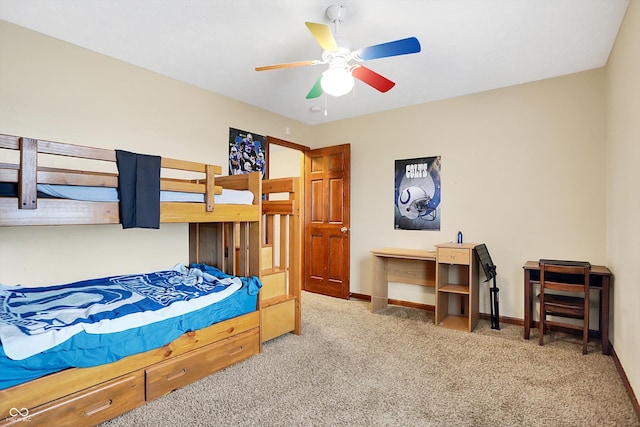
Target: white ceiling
x,y
468,46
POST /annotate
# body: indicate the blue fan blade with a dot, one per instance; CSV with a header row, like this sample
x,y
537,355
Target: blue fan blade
x,y
398,47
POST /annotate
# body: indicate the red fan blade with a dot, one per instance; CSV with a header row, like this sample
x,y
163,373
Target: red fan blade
x,y
287,65
372,78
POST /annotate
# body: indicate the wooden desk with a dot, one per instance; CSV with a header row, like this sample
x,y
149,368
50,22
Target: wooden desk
x,y
414,266
600,280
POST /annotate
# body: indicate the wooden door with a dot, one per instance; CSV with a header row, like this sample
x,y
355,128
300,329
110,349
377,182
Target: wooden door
x,y
326,231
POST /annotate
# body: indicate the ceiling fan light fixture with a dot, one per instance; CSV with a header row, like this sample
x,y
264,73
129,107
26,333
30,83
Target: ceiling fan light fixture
x,y
339,78
337,81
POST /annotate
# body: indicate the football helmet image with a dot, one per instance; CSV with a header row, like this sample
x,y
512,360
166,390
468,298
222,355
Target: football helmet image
x,y
413,202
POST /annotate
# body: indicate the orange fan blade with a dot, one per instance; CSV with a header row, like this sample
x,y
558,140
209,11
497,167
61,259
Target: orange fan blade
x,y
323,35
287,65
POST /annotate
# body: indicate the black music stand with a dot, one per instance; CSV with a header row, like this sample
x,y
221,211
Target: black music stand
x,y
489,269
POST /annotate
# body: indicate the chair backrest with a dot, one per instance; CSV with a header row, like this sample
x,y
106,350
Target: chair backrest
x,y
571,276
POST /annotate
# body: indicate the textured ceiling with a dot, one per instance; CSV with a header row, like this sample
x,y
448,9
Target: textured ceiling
x,y
468,46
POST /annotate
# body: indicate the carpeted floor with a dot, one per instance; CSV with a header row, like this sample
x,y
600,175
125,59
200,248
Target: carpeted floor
x,y
353,368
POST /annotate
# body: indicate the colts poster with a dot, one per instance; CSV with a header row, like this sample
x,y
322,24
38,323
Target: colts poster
x,y
417,194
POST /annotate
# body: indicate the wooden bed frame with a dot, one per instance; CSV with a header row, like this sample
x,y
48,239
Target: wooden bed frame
x,y
27,209
90,396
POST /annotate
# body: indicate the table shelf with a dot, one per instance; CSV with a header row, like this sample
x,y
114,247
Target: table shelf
x,y
452,321
454,288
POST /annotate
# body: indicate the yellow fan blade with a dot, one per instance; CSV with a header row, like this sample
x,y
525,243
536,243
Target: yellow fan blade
x,y
323,35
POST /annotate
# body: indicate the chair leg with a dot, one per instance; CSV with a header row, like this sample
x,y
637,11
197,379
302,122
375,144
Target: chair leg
x,y
541,328
585,339
585,328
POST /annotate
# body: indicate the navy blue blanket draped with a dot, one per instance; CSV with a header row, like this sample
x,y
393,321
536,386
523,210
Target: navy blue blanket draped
x,y
139,189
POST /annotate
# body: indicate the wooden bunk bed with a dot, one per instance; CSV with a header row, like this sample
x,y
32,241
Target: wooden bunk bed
x,y
92,395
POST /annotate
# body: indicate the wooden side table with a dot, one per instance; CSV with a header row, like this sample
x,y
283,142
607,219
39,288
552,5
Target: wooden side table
x,y
457,299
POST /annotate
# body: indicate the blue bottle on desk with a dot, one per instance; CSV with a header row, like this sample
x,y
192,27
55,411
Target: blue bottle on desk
x,y
459,237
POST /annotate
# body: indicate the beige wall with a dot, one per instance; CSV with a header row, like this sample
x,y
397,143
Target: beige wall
x,y
53,90
523,170
623,203
285,162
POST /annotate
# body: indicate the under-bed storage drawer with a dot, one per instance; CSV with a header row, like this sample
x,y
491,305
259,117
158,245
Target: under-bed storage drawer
x,y
164,377
89,407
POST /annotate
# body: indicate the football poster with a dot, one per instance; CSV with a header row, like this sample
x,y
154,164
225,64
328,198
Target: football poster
x,y
247,153
417,194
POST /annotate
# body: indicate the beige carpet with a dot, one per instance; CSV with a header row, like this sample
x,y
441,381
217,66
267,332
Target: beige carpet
x,y
353,368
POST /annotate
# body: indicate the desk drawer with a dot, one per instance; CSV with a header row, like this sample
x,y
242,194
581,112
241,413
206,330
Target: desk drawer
x,y
164,377
454,256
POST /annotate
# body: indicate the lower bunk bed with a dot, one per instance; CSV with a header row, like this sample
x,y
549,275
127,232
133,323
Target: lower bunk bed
x,y
102,369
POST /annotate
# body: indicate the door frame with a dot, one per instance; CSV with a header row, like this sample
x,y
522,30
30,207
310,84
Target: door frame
x,y
303,149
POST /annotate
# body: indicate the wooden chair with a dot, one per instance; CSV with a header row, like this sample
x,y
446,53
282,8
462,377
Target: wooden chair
x,y
571,277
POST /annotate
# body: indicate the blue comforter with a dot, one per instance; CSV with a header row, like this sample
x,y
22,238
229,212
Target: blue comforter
x,y
84,348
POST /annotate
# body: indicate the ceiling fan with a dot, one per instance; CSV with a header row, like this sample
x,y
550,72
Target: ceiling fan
x,y
338,78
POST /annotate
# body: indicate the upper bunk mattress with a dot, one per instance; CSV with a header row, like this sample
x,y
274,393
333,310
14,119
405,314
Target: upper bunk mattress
x,y
109,194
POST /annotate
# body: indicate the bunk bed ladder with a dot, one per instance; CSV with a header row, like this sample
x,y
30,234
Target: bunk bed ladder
x,y
280,273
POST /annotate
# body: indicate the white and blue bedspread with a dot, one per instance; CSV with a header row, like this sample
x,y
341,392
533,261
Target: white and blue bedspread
x,y
86,349
33,320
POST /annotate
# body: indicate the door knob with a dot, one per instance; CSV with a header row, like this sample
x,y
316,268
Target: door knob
x,y
344,229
